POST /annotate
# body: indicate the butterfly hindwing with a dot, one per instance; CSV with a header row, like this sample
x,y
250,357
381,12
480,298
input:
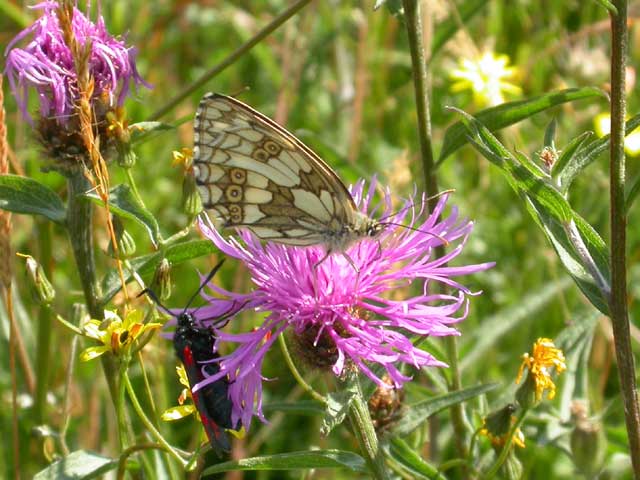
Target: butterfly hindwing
x,y
252,173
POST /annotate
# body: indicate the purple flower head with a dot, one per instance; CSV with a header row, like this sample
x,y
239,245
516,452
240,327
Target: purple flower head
x,y
47,64
346,315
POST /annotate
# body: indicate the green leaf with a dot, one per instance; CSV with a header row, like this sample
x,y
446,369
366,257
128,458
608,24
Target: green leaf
x,y
457,20
146,265
122,202
632,192
550,134
338,404
418,413
506,320
411,461
80,464
561,170
582,252
26,195
294,461
611,8
509,113
588,154
142,131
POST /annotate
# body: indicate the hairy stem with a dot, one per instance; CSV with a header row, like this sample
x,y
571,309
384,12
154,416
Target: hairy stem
x,y
618,299
366,435
415,32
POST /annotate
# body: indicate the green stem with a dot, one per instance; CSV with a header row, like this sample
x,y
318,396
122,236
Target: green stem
x,y
80,228
413,20
504,452
296,374
618,300
45,323
147,423
239,52
366,435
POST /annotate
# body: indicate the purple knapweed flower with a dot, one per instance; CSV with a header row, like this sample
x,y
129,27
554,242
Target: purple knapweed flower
x,y
46,63
341,314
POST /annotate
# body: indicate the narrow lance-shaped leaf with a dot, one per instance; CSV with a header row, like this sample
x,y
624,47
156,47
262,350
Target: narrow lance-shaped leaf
x,y
418,413
294,461
26,195
411,461
509,113
123,203
582,252
587,154
146,265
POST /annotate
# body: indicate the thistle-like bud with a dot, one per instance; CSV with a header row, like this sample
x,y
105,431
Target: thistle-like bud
x,y
385,405
124,241
191,201
42,287
588,443
161,283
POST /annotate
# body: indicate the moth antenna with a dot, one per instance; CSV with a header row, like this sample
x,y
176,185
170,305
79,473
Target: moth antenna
x,y
204,283
151,294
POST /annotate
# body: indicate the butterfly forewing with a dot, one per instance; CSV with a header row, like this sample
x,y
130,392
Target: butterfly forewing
x,y
252,173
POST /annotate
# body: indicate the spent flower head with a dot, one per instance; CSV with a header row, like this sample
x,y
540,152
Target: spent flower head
x,y
345,317
487,77
539,364
116,335
82,76
497,427
46,63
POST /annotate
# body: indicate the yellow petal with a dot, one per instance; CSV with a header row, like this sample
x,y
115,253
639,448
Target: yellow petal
x,y
93,352
176,413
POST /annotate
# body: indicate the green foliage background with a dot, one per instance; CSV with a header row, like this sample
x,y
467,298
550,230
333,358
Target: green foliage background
x,y
339,76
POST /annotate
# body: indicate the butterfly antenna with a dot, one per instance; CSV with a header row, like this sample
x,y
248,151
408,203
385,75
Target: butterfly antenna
x,y
435,235
412,204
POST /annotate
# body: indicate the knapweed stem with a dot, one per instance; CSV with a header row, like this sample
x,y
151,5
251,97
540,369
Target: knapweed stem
x,y
618,300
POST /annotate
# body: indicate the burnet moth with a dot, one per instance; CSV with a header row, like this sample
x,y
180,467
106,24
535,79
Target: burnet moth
x,y
194,346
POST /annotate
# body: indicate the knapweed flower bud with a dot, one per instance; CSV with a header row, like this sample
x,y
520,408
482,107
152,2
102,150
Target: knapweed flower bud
x,y
588,443
43,288
161,283
385,405
124,241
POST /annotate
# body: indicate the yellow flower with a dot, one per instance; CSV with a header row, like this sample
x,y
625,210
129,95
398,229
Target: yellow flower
x,y
497,425
545,356
602,124
115,334
499,441
181,411
183,157
486,76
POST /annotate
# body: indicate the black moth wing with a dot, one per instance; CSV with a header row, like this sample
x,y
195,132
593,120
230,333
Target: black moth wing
x,y
194,345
